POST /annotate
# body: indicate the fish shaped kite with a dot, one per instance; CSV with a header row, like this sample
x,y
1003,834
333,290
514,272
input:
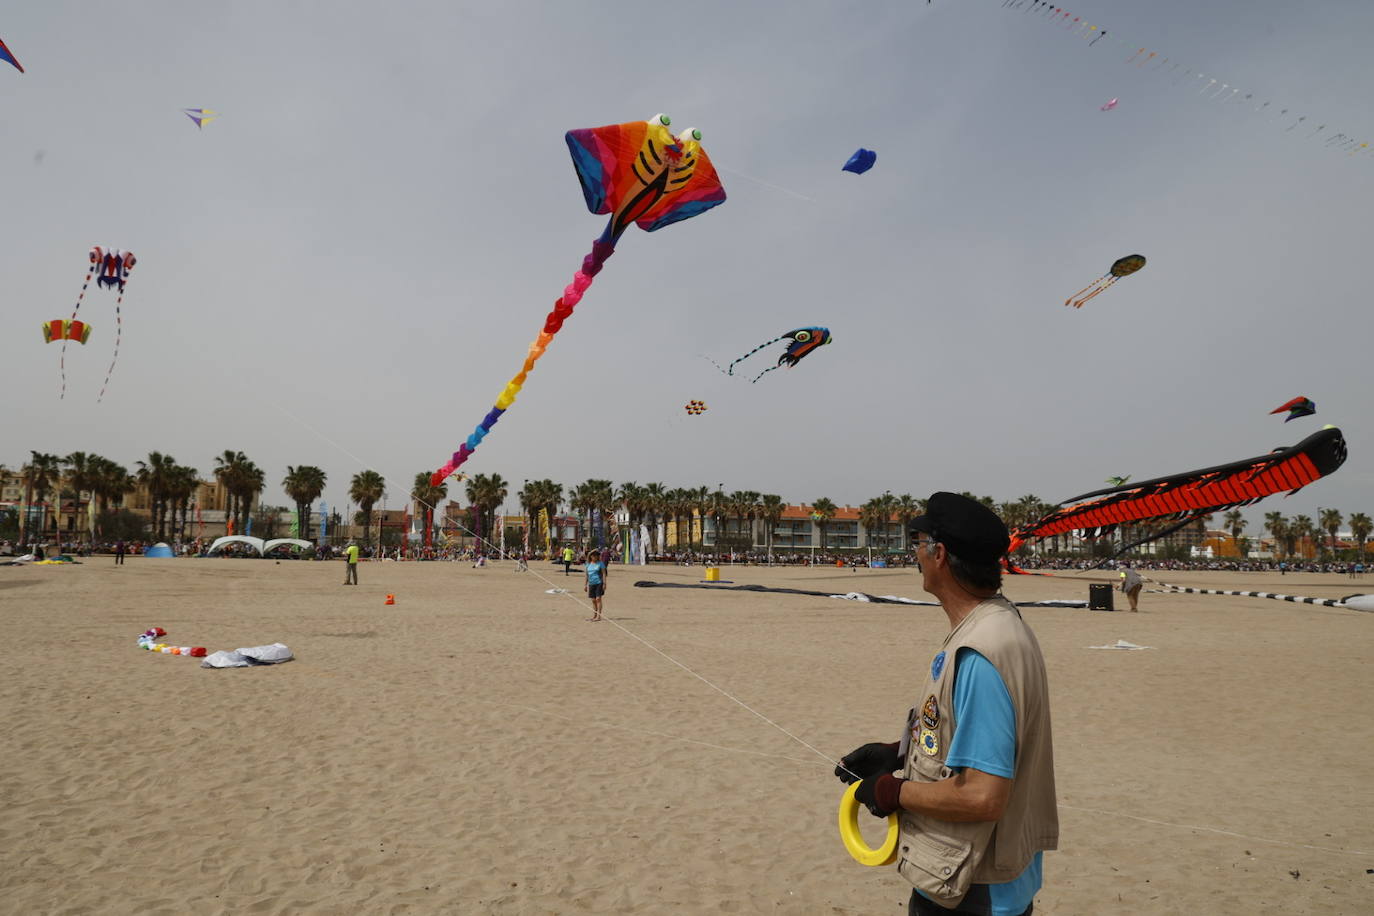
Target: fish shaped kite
x,y
804,342
639,173
57,329
8,57
110,267
201,116
860,162
1109,106
1187,497
1122,267
1298,407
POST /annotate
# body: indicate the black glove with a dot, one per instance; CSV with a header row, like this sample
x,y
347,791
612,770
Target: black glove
x,y
871,760
880,794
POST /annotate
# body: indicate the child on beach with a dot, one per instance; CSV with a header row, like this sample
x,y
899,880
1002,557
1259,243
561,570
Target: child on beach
x,y
595,586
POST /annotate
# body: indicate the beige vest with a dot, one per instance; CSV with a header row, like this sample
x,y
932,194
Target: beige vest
x,y
942,858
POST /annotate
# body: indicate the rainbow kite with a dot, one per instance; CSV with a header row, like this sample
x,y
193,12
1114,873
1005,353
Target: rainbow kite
x,y
638,172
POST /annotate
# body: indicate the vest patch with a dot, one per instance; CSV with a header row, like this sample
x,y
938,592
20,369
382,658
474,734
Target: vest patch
x,y
937,665
930,713
930,744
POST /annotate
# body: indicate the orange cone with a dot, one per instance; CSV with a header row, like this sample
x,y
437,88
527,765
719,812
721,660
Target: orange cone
x,y
390,599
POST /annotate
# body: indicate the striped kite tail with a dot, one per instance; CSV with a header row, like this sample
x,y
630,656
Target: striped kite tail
x,y
119,333
62,360
766,343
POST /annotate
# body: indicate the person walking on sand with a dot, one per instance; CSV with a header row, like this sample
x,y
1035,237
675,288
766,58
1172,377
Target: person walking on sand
x,y
120,550
567,559
1131,583
351,564
595,585
975,797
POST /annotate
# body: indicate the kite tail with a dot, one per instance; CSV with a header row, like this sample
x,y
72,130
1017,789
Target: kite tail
x,y
562,310
713,362
119,333
765,372
731,369
1075,301
62,361
1101,289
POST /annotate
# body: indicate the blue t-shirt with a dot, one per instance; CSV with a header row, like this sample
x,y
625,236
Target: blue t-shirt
x,y
985,739
594,572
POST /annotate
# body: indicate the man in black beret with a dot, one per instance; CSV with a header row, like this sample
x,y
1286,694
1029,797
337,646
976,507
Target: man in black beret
x,y
975,796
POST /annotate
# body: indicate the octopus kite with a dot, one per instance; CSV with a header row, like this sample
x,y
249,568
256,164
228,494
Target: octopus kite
x,y
110,267
1123,267
639,173
1298,407
1184,498
804,342
695,408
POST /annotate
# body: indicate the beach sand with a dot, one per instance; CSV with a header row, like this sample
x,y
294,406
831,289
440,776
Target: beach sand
x,y
479,747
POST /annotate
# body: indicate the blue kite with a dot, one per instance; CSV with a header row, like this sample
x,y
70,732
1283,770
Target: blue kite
x,y
861,161
9,58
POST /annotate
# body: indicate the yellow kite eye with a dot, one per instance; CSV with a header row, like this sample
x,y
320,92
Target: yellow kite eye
x,y
661,118
803,336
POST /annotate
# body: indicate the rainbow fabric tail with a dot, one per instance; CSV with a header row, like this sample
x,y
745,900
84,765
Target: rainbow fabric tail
x,y
562,310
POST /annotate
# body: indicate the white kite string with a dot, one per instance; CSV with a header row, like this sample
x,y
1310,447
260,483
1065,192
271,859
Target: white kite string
x,y
722,691
1243,836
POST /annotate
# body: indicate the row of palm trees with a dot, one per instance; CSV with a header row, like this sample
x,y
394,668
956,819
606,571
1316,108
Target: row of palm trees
x,y
1289,533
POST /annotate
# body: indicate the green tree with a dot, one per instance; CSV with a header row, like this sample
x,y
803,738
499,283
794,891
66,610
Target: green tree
x,y
41,474
771,507
1360,528
1331,520
303,484
1235,523
822,511
427,496
366,489
156,476
1278,529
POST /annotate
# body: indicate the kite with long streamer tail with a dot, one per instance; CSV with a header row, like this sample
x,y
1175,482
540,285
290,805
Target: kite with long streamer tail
x,y
804,341
638,172
1121,267
110,267
1184,498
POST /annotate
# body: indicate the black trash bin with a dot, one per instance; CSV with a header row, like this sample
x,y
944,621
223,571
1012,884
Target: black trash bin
x,y
1100,597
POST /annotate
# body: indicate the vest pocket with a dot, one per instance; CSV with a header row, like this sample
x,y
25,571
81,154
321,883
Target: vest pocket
x,y
933,863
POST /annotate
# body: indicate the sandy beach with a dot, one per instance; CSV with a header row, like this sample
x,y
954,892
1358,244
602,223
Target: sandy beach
x,y
478,747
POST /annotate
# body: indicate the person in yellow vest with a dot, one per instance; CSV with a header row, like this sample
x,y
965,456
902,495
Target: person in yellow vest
x,y
567,559
351,564
975,795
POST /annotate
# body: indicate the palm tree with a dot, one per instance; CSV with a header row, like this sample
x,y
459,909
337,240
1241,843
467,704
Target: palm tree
x,y
1235,523
486,493
872,515
654,502
1300,528
822,510
1331,520
182,482
41,474
229,467
1360,528
905,509
770,510
366,488
155,475
427,496
303,484
1278,527
251,482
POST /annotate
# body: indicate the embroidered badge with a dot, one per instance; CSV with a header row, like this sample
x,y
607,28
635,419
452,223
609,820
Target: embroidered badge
x,y
937,666
930,713
930,744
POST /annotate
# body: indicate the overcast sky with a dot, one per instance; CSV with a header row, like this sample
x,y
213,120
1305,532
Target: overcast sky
x,y
347,266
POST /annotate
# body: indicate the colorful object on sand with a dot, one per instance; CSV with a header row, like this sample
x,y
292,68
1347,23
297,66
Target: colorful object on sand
x,y
1109,106
110,267
860,162
1123,267
57,329
804,341
695,408
8,57
201,116
1298,407
1181,499
639,173
149,640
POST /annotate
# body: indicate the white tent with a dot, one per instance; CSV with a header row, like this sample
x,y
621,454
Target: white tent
x,y
295,542
220,543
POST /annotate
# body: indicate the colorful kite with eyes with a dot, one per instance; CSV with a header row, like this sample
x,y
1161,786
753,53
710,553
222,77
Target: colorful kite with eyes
x,y
804,342
639,173
1123,267
110,267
